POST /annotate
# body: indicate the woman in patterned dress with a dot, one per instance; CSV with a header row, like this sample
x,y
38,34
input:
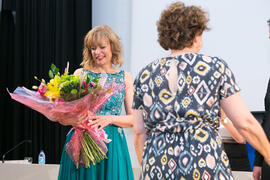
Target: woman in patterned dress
x,y
102,52
178,100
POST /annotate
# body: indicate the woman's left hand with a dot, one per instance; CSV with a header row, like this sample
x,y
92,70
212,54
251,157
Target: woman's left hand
x,y
100,121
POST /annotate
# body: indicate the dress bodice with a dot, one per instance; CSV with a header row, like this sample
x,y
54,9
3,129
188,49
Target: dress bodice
x,y
180,98
112,106
202,81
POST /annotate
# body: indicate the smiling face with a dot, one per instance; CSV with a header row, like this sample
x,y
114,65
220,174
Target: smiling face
x,y
101,52
102,47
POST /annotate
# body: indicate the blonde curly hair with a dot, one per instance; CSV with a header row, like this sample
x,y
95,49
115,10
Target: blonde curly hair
x,y
96,36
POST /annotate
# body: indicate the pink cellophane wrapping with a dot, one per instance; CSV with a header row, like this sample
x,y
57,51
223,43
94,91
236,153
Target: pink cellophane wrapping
x,y
60,110
52,110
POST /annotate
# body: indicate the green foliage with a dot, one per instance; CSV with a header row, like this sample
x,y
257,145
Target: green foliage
x,y
69,86
53,71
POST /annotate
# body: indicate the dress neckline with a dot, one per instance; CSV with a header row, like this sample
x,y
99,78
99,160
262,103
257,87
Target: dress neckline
x,y
179,55
103,73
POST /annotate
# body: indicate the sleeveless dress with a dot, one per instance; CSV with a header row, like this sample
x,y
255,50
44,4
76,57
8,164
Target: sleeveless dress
x,y
182,138
118,165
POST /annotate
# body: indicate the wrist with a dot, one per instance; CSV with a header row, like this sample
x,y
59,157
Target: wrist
x,y
225,120
267,156
112,120
267,160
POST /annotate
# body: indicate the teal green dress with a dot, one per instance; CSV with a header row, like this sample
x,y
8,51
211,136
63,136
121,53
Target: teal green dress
x,y
118,165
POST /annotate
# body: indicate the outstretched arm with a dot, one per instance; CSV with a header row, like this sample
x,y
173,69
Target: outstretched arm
x,y
247,125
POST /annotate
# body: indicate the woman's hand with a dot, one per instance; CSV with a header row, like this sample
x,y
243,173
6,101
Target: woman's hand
x,y
257,171
267,160
100,121
73,120
246,124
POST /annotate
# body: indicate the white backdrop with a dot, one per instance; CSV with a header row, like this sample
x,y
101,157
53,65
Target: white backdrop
x,y
239,35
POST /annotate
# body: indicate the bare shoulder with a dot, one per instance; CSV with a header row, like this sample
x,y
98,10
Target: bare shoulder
x,y
128,80
78,71
128,76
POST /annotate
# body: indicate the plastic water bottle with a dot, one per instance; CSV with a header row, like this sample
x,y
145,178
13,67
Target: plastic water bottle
x,y
41,157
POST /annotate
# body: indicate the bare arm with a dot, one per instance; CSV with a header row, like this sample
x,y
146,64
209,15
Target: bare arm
x,y
227,123
247,125
139,134
125,121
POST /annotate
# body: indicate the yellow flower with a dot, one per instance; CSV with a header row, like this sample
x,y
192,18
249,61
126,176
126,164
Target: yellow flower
x,y
53,91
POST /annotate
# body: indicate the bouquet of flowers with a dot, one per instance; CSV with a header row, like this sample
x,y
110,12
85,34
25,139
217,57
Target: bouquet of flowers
x,y
69,96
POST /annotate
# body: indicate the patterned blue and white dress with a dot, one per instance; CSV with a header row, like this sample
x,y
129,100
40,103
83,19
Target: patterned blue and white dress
x,y
182,139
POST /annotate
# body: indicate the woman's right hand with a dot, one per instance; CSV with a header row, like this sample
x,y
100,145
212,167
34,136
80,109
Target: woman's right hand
x,y
246,124
267,160
257,171
73,120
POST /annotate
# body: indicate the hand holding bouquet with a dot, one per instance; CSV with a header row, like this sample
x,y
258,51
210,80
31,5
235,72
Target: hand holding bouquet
x,y
69,97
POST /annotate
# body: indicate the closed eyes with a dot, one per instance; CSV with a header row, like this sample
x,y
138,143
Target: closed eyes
x,y
95,48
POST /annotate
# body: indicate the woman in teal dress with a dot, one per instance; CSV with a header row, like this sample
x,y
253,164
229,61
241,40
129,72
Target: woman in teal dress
x,y
102,52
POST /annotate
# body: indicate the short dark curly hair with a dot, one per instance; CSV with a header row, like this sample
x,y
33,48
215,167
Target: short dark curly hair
x,y
179,24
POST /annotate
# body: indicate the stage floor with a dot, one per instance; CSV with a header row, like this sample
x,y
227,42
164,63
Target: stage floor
x,y
50,172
